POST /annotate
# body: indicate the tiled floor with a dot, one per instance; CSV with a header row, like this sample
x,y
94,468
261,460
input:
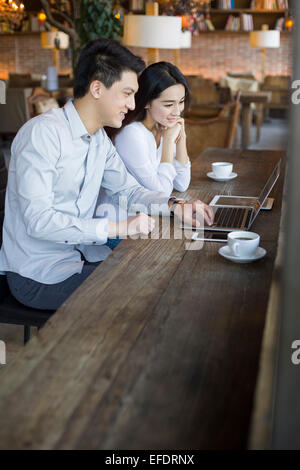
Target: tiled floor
x,y
274,135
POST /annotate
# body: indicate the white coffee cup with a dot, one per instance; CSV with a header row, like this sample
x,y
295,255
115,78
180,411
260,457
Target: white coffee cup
x,y
222,169
243,244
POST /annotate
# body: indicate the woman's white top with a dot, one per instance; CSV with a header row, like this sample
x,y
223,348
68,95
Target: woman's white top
x,y
137,147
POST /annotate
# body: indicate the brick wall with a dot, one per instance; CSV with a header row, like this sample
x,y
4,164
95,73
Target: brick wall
x,y
211,55
23,53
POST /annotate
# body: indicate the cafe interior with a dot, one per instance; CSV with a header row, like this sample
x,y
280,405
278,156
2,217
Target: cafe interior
x,y
167,345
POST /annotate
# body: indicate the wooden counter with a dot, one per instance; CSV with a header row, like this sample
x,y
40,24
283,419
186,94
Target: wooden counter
x,y
158,349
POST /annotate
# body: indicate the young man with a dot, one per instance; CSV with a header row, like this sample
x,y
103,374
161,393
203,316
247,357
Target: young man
x,y
59,160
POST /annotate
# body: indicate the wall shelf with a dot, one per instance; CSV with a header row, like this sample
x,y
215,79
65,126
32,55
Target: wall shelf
x,y
21,33
224,31
219,16
246,10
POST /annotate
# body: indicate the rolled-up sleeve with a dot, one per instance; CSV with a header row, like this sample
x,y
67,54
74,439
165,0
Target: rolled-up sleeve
x,y
135,152
36,174
183,175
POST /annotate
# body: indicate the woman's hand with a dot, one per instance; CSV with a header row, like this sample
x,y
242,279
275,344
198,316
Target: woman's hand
x,y
181,150
175,133
182,135
172,134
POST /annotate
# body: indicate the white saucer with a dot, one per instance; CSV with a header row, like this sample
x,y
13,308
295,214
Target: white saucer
x,y
216,178
226,253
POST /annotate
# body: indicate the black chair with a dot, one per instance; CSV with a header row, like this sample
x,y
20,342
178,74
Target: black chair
x,y
12,311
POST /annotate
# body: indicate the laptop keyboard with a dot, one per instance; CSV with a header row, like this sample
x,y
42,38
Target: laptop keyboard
x,y
231,217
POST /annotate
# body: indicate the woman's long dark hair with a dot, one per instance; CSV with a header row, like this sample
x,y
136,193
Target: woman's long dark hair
x,y
152,82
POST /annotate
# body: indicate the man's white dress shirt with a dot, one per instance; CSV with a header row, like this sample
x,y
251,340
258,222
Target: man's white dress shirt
x,y
54,177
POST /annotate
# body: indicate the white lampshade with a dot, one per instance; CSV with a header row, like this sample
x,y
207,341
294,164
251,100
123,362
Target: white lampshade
x,y
161,32
267,38
186,40
50,38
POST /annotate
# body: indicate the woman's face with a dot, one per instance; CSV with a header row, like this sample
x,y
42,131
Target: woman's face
x,y
167,108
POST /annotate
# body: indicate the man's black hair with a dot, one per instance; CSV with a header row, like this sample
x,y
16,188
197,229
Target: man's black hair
x,y
152,82
105,60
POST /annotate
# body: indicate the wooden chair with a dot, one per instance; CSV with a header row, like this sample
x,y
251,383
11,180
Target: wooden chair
x,y
205,93
15,112
207,99
11,311
280,86
216,132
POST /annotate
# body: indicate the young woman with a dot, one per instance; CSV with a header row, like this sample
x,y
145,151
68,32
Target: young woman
x,y
152,140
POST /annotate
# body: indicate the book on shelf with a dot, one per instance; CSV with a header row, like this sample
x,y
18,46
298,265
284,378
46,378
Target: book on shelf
x,y
280,24
246,22
233,23
257,4
204,23
201,23
283,4
269,4
136,5
226,4
209,24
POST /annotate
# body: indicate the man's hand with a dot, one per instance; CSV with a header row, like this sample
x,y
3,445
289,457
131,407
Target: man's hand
x,y
140,224
194,212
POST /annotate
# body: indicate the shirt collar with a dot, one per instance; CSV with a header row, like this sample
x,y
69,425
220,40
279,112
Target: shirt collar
x,y
77,127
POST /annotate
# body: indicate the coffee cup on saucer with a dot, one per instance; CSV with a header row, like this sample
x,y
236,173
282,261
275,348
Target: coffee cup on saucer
x,y
221,169
242,247
243,244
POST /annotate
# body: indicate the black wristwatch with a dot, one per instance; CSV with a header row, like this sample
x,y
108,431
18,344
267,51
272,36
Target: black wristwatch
x,y
175,202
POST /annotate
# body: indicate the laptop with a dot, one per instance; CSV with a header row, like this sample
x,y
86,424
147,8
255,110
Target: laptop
x,y
239,212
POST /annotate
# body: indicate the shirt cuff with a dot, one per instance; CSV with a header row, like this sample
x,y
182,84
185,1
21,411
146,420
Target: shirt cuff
x,y
94,253
167,169
95,231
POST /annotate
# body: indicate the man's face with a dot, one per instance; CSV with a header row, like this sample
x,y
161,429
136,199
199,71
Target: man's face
x,y
115,101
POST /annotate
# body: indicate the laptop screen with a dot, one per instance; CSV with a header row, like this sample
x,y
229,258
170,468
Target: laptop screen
x,y
266,191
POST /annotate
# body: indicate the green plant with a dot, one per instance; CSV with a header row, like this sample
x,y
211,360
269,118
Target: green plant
x,y
82,20
97,20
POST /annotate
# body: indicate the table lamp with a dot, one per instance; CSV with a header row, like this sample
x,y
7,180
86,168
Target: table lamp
x,y
185,43
264,39
152,32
